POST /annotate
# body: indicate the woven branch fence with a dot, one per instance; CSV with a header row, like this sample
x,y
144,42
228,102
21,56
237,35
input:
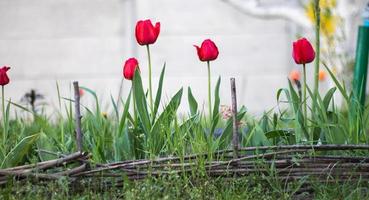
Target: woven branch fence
x,y
287,163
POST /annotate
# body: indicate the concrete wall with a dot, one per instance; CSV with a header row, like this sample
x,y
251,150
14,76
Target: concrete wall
x,y
45,41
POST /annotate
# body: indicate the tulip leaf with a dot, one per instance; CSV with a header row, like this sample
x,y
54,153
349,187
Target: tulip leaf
x,y
299,118
192,102
20,150
328,97
125,114
93,93
215,117
157,136
294,101
158,94
257,137
115,106
140,102
341,88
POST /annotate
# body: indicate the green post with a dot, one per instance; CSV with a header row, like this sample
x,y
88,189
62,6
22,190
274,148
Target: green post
x,y
361,65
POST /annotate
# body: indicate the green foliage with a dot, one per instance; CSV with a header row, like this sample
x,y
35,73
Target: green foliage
x,y
16,155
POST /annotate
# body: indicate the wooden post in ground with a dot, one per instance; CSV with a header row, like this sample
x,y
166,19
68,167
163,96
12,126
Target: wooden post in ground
x,y
77,116
234,117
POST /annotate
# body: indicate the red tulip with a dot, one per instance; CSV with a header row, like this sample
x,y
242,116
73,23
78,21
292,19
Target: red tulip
x,y
4,79
208,51
146,33
129,68
303,52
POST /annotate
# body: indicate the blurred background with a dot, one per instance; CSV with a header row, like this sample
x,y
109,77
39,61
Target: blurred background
x,y
54,42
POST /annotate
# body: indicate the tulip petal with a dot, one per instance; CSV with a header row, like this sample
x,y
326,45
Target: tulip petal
x,y
157,29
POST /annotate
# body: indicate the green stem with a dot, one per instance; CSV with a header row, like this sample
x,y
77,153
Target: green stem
x,y
317,47
134,105
4,115
209,90
134,134
305,97
150,85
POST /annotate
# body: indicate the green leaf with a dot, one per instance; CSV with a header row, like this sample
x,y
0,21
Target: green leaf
x,y
115,106
157,138
17,154
140,102
122,120
158,94
227,134
296,103
192,102
45,142
257,137
328,97
339,86
98,112
187,125
279,133
21,107
215,117
319,113
216,99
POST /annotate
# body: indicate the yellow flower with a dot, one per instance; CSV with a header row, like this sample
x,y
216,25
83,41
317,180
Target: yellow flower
x,y
329,26
327,4
327,19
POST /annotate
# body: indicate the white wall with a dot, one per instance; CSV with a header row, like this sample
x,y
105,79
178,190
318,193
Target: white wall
x,y
45,41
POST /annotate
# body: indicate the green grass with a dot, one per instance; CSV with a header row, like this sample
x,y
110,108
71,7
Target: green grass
x,y
178,187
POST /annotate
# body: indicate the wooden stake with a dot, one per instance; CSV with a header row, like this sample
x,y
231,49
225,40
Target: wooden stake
x,y
234,117
77,116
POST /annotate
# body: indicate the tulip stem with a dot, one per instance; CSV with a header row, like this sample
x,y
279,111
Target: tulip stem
x,y
305,97
209,90
4,116
150,85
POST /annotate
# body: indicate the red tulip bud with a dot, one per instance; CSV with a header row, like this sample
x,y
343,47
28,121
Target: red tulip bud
x,y
208,51
129,68
4,79
303,52
146,33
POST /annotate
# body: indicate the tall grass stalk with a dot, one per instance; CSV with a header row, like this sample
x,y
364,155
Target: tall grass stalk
x,y
317,47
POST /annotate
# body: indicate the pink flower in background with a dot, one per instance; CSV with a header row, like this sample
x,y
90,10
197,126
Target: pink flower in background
x,y
294,75
226,112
